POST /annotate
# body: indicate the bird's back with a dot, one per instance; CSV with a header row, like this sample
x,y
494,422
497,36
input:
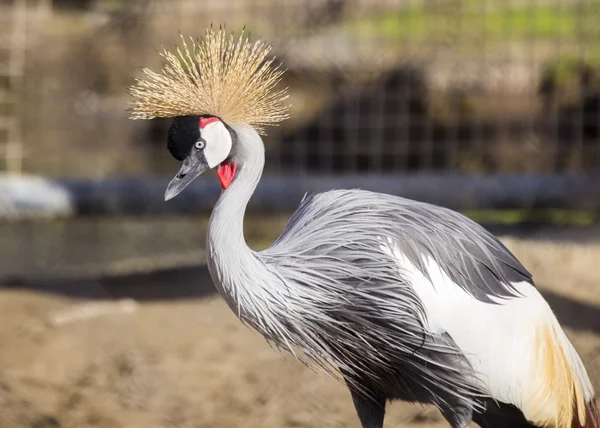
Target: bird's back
x,y
330,222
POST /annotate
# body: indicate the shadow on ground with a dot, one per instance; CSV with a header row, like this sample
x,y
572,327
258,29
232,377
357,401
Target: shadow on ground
x,y
168,284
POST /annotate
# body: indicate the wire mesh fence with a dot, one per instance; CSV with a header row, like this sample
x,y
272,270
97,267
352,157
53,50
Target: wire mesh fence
x,y
485,87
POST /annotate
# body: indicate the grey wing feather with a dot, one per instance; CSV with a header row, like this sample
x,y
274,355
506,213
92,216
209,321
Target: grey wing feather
x,y
470,255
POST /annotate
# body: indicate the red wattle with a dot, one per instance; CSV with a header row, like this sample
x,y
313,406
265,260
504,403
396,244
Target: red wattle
x,y
226,173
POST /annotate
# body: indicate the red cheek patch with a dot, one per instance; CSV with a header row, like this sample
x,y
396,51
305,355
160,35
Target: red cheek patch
x,y
205,121
226,173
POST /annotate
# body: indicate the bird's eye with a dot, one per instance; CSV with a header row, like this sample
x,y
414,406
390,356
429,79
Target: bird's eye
x,y
200,144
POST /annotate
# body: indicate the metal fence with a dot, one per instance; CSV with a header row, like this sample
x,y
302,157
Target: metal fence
x,y
378,87
468,104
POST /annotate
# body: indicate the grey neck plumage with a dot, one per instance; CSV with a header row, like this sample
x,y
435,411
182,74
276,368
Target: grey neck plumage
x,y
239,274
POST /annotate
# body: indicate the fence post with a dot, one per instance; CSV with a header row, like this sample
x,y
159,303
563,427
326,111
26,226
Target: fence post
x,y
14,18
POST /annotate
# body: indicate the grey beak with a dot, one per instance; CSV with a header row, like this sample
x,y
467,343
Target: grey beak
x,y
191,168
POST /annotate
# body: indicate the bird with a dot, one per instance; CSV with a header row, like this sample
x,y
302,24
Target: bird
x,y
396,299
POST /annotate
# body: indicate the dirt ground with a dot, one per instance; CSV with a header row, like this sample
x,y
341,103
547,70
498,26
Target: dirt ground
x,y
75,354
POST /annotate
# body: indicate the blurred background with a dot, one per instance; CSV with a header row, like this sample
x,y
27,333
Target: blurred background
x,y
108,314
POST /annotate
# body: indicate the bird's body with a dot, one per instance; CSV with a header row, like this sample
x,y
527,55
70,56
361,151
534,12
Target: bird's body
x,y
408,300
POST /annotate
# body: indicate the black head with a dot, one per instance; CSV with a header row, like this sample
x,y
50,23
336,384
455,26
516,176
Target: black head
x,y
200,143
183,133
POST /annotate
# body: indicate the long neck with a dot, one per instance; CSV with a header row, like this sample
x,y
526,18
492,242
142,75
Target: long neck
x,y
227,219
252,285
232,264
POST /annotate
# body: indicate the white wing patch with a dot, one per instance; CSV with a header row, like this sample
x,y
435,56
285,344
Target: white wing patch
x,y
517,348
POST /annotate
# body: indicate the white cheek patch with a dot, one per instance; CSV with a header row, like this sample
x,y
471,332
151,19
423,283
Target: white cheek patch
x,y
218,143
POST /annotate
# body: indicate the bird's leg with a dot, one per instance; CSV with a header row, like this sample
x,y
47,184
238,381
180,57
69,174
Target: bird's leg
x,y
369,405
370,409
459,416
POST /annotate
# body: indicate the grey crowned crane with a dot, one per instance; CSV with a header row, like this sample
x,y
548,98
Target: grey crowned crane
x,y
401,300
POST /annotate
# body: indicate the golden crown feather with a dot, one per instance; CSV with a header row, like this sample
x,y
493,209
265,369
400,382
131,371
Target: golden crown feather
x,y
218,76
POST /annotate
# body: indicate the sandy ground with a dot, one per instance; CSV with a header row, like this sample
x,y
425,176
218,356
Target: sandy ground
x,y
176,356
